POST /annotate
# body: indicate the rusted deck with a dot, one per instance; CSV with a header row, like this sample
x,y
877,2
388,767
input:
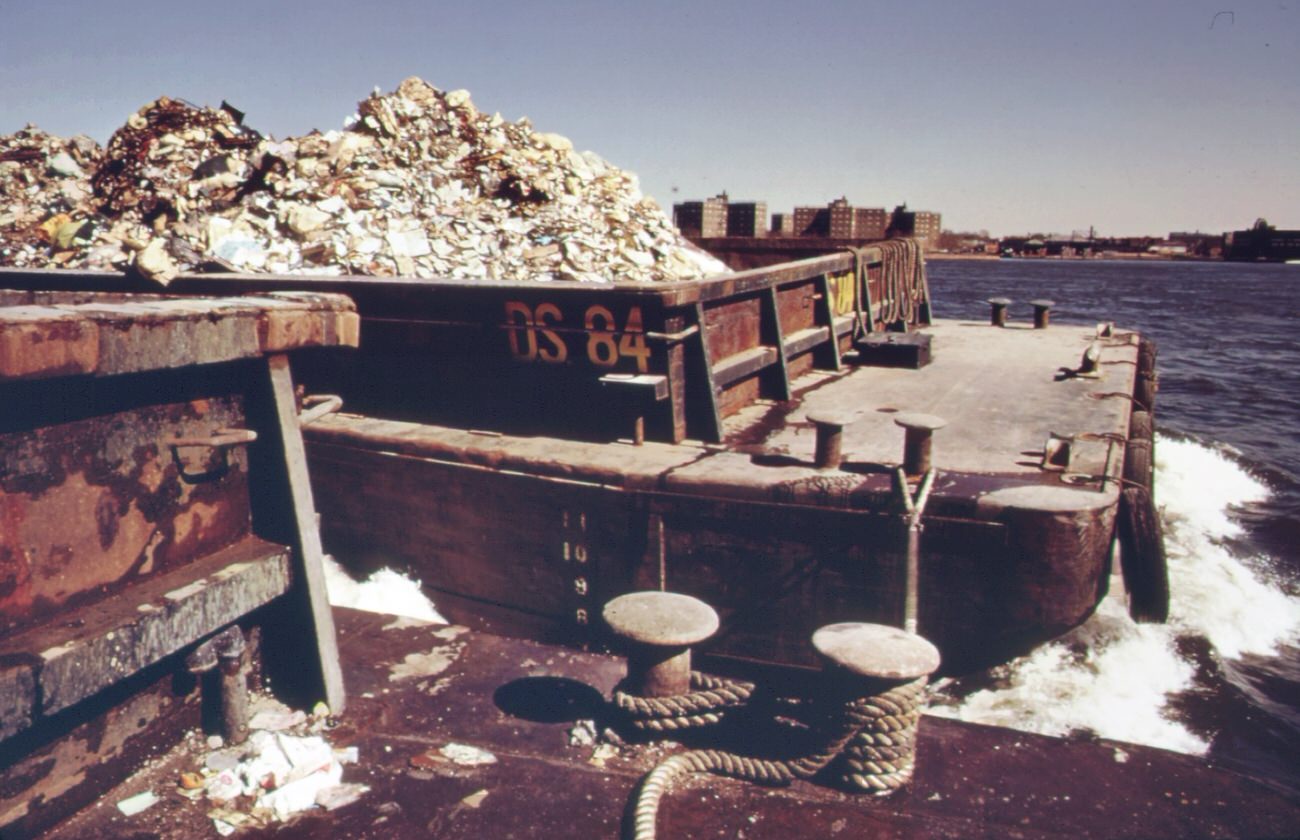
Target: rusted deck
x,y
519,700
1003,392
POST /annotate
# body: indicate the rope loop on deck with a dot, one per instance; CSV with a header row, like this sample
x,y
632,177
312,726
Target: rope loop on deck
x,y
704,705
875,736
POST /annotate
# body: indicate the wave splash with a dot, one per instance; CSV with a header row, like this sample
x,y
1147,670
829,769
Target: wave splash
x,y
1115,678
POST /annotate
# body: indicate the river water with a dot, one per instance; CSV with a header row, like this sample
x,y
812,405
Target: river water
x,y
1222,678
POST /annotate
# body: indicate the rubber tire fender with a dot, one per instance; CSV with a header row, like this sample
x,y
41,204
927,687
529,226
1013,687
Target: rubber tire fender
x,y
1142,557
1139,451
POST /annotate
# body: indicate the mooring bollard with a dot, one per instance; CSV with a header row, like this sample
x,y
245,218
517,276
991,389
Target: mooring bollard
x,y
917,442
998,313
830,436
1042,312
659,629
884,669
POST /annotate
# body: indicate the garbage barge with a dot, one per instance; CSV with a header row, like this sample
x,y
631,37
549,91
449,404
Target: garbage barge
x,y
182,413
795,445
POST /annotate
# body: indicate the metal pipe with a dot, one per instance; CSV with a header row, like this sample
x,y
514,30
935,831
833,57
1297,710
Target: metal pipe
x,y
225,651
915,509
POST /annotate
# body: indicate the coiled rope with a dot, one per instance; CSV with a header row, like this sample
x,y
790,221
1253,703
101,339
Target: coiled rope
x,y
875,735
905,291
704,705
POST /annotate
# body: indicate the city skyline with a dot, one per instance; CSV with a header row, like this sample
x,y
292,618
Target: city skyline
x,y
1013,117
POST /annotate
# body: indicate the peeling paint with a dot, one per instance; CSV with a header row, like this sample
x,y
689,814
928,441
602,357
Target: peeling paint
x,y
55,652
187,591
426,664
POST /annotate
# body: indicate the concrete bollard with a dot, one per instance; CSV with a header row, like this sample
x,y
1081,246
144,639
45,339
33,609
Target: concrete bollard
x,y
1042,312
917,443
998,313
658,629
830,435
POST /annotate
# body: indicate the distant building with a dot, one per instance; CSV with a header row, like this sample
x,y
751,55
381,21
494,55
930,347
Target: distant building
x,y
870,222
811,221
720,216
921,225
1168,248
704,219
1262,242
840,220
747,218
1199,244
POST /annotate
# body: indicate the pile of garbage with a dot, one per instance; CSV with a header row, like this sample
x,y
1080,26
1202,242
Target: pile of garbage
x,y
285,767
418,183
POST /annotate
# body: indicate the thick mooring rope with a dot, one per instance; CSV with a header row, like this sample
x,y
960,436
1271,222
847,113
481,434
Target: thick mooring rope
x,y
705,705
903,283
876,735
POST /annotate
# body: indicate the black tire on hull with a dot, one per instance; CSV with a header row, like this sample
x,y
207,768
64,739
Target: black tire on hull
x,y
1139,466
1142,557
1146,382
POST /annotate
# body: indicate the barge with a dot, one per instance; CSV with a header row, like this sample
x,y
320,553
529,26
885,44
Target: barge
x,y
181,413
531,451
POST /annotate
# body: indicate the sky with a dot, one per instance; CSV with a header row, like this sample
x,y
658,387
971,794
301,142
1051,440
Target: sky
x,y
1135,118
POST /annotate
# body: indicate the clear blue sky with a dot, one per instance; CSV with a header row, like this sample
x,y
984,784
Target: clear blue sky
x,y
1136,117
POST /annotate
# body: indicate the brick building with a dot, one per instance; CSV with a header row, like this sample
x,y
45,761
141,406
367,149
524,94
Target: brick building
x,y
921,225
705,219
841,220
720,216
747,218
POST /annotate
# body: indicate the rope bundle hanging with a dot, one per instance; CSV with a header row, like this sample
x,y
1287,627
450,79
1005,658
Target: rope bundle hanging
x,y
704,705
905,293
875,735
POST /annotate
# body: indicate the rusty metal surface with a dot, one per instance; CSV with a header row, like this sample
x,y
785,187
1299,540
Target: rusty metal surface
x,y
46,334
420,688
92,503
93,647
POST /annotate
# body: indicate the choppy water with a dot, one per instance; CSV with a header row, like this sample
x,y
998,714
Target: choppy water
x,y
1222,678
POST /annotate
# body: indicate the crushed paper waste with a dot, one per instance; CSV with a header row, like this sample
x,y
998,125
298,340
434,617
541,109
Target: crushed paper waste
x,y
418,183
284,767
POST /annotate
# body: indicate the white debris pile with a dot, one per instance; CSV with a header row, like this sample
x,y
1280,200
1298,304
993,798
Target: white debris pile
x,y
386,591
419,183
286,766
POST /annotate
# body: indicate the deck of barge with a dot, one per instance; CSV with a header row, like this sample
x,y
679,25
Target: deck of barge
x,y
519,700
1002,393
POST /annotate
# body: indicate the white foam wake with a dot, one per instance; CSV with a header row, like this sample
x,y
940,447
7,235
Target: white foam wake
x,y
1115,677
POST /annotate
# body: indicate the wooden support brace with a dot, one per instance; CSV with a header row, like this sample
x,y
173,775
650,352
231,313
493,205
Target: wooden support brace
x,y
825,314
308,554
779,377
710,412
